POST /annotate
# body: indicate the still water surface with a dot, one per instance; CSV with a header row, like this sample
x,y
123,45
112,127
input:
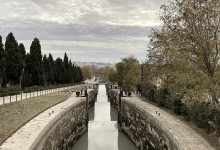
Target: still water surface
x,y
103,131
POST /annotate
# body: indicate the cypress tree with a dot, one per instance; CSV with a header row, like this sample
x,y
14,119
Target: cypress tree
x,y
45,69
70,72
14,62
51,69
78,74
27,79
36,57
23,57
59,71
66,69
2,64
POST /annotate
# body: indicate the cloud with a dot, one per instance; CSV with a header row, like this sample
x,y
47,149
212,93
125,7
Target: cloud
x,y
102,28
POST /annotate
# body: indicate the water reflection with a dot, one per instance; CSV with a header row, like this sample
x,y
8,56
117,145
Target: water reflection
x,y
103,128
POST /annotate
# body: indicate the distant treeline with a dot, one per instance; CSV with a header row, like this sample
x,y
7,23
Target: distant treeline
x,y
32,69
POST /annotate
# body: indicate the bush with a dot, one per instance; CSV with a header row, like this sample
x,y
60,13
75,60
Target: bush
x,y
151,95
178,105
216,121
147,89
162,97
12,90
203,115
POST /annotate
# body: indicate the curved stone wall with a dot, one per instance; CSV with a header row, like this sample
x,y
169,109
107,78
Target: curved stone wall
x,y
57,128
67,127
151,128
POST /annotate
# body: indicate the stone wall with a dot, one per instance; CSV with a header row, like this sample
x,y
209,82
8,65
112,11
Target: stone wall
x,y
141,127
67,127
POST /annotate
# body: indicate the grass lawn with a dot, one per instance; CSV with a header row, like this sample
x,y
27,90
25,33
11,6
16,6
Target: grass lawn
x,y
211,138
15,115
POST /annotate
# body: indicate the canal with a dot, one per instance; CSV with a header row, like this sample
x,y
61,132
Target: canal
x,y
103,133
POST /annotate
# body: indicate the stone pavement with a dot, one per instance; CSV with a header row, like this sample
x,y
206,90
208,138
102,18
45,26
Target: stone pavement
x,y
182,135
31,132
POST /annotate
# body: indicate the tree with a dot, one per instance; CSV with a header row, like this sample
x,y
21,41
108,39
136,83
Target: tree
x,y
113,76
59,71
45,69
51,71
2,64
190,39
78,74
87,72
36,57
128,71
23,57
14,63
66,68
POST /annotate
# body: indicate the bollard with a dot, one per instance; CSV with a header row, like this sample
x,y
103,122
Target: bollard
x,y
21,95
26,95
10,98
3,100
16,97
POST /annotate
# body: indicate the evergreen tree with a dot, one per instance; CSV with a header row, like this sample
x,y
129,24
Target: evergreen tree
x,y
2,64
23,57
51,70
14,62
27,79
78,74
70,72
59,71
36,57
45,69
66,69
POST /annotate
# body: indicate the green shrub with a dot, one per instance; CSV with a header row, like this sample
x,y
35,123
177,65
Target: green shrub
x,y
178,105
151,95
147,89
162,97
12,90
216,120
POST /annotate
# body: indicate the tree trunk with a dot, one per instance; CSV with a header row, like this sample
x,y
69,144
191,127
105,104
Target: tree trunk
x,y
215,99
21,77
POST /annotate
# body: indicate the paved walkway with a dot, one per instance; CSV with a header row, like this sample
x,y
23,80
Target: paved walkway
x,y
26,135
181,134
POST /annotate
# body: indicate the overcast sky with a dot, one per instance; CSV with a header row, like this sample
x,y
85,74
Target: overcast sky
x,y
88,30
